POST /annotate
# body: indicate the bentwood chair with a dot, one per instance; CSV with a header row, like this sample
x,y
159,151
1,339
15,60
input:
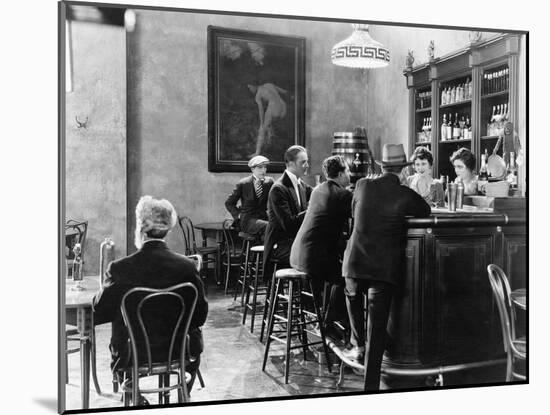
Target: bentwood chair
x,y
75,233
232,256
515,348
158,323
208,253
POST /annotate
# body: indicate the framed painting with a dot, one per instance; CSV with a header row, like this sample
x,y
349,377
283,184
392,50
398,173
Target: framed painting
x,y
256,97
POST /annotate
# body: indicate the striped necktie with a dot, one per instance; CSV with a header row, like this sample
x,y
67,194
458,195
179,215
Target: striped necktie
x,y
258,188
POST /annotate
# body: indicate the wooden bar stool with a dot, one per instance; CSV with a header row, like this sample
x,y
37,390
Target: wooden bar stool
x,y
252,286
270,294
295,317
248,239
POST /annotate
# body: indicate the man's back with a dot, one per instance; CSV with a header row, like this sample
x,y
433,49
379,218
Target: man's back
x,y
376,247
153,266
319,241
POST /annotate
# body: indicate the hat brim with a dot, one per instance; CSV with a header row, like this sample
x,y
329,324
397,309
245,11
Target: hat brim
x,y
400,163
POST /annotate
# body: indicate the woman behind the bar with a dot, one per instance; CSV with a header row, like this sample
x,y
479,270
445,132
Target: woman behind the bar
x,y
422,181
464,163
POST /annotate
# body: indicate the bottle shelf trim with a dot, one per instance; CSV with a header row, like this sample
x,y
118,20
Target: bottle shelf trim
x,y
495,94
455,104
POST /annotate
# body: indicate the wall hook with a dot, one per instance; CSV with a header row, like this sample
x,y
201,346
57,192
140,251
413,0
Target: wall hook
x,y
81,124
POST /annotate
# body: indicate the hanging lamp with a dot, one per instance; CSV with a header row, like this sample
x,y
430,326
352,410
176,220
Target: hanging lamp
x,y
360,50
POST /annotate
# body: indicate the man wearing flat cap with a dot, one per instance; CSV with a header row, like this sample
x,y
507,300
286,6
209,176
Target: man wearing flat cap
x,y
154,265
252,191
374,260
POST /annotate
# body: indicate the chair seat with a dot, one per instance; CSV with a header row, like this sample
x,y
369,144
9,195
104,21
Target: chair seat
x,y
257,248
289,273
247,236
207,249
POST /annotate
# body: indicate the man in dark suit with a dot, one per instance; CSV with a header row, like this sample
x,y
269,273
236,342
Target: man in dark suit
x,y
152,266
287,202
374,260
252,191
318,247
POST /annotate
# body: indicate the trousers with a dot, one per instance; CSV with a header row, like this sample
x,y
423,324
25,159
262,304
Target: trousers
x,y
379,297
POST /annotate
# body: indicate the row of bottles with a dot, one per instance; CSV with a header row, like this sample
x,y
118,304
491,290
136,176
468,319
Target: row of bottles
x,y
496,81
499,116
424,100
425,134
460,129
457,93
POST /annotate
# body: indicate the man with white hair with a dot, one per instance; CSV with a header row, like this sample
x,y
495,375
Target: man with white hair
x,y
154,265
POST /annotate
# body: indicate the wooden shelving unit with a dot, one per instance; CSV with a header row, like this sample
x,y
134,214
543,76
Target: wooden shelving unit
x,y
494,57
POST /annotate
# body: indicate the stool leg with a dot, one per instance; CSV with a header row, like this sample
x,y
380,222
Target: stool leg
x,y
302,326
246,272
268,307
227,272
321,328
247,300
255,297
270,325
94,365
161,385
289,328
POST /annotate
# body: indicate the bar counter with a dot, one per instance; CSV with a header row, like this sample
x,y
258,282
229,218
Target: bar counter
x,y
445,314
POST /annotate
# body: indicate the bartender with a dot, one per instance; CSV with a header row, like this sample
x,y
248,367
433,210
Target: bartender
x,y
464,163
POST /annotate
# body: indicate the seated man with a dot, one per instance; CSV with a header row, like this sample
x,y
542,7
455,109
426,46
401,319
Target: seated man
x,y
320,243
252,191
154,265
287,205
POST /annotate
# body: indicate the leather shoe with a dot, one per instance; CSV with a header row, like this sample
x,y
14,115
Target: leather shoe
x,y
356,353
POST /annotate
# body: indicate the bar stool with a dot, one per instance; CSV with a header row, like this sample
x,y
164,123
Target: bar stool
x,y
295,316
248,239
257,254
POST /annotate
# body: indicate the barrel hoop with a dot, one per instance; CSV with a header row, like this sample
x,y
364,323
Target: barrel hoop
x,y
349,150
355,140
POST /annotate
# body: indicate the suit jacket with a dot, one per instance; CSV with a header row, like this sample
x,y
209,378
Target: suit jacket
x,y
251,207
153,266
284,214
376,249
319,244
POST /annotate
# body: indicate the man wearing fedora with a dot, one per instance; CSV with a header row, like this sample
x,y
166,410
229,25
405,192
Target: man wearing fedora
x,y
252,191
374,260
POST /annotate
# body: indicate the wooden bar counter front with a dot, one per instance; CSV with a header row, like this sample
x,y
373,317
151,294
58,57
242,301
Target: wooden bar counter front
x,y
445,317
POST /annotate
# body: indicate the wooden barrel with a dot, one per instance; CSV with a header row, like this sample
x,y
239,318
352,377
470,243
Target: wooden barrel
x,y
354,147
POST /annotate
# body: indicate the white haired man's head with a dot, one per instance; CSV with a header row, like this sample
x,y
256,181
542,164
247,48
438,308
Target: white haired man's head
x,y
154,219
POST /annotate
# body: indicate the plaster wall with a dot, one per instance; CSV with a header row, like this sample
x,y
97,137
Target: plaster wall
x,y
95,156
168,106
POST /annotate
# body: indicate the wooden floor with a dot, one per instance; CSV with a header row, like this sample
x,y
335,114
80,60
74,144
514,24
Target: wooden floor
x,y
231,366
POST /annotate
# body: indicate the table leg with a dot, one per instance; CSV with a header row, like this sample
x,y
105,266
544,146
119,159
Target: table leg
x,y
84,325
219,262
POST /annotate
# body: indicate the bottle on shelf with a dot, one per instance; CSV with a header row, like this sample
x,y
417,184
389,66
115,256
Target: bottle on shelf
x,y
444,128
512,175
448,95
462,125
468,129
443,97
469,94
453,95
456,128
483,177
449,134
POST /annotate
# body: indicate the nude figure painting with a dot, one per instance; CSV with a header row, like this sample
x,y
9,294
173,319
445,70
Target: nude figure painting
x,y
256,97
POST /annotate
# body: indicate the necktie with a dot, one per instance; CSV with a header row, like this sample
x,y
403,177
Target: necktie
x,y
258,188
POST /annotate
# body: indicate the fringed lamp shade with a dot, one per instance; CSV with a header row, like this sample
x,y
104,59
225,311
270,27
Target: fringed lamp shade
x,y
360,50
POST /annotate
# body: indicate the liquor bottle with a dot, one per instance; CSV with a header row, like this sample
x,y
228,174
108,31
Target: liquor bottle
x,y
507,78
429,129
483,177
444,128
443,97
494,113
449,128
512,176
456,128
468,129
462,125
469,89
505,116
453,95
